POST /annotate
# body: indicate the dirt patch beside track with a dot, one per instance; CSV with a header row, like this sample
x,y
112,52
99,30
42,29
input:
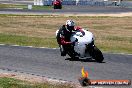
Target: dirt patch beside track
x,y
37,79
123,14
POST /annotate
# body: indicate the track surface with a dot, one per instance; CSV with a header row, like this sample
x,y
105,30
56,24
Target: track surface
x,y
49,63
70,10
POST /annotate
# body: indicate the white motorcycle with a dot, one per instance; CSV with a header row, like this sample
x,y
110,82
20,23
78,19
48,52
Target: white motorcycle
x,y
85,47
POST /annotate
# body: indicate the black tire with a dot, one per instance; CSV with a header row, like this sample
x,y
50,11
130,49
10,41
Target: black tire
x,y
71,55
97,55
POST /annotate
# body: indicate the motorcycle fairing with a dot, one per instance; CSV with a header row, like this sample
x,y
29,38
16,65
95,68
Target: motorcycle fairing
x,y
83,40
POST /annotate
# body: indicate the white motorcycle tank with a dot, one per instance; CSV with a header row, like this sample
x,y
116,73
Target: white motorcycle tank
x,y
83,40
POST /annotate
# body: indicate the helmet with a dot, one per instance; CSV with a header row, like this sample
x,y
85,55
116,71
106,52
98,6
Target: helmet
x,y
70,23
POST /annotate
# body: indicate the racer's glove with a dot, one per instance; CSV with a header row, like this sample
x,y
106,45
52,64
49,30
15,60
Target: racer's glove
x,y
76,40
73,43
83,33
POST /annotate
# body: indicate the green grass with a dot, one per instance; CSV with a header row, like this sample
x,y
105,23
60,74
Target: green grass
x,y
112,34
42,7
14,83
19,6
27,41
13,6
113,48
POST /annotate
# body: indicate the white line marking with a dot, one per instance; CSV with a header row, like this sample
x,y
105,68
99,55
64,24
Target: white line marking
x,y
2,44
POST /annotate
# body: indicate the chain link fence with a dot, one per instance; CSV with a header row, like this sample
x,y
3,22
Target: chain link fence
x,y
126,4
97,3
91,3
123,3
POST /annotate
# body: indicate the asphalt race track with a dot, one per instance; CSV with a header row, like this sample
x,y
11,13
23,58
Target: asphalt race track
x,y
70,10
48,63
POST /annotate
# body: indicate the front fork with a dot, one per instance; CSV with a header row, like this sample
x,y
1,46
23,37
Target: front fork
x,y
90,48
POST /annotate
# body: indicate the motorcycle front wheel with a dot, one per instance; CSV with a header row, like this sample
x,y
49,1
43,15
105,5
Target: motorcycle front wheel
x,y
72,55
97,55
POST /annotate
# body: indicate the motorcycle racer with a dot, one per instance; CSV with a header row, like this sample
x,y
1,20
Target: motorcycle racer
x,y
64,34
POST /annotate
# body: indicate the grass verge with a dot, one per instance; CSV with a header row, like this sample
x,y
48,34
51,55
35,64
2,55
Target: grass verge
x,y
19,6
6,6
42,7
27,41
14,83
112,34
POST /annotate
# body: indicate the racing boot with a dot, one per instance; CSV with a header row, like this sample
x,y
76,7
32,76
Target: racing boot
x,y
63,53
76,54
